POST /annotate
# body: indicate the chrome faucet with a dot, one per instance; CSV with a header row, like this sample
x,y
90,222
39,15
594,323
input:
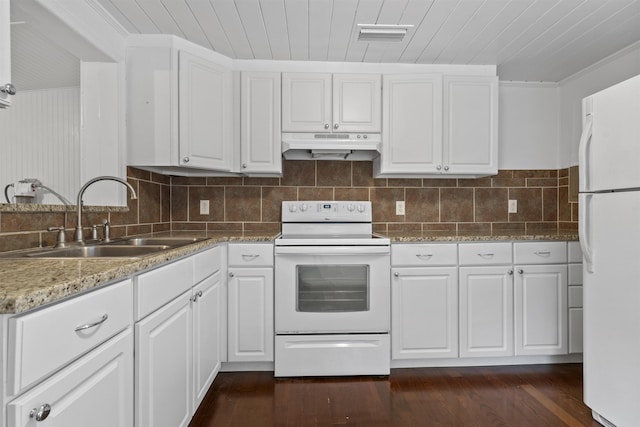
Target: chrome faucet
x,y
78,237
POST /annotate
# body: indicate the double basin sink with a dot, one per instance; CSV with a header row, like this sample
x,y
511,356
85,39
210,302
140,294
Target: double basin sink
x,y
125,248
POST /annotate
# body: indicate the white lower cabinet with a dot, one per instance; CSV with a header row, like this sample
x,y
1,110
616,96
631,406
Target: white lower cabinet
x,y
178,346
163,366
575,297
96,390
540,298
486,311
424,312
250,303
541,309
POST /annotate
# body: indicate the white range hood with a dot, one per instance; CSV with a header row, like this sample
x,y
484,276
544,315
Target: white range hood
x,y
331,146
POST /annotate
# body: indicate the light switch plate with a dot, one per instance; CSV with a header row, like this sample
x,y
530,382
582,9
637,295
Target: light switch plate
x,y
513,206
400,208
204,207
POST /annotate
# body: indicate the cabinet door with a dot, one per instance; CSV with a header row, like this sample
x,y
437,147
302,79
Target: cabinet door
x,y
470,125
486,311
357,101
205,116
163,366
96,390
250,315
260,134
5,51
306,102
412,124
424,320
207,334
541,309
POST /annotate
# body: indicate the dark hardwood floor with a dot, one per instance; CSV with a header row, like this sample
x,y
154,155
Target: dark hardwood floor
x,y
533,395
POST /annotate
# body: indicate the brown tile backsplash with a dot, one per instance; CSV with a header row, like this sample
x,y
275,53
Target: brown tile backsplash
x,y
434,207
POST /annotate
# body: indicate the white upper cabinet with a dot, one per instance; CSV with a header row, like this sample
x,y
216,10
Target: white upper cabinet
x,y
260,134
412,116
315,102
180,106
435,125
5,54
470,125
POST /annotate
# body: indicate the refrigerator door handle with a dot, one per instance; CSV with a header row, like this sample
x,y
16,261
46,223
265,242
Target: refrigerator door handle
x,y
583,151
583,230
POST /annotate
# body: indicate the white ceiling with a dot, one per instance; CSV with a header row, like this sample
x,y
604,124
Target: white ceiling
x,y
529,40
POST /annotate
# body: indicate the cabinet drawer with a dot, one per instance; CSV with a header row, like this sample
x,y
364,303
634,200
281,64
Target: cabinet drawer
x,y
421,254
46,340
251,254
206,263
155,288
575,296
574,251
484,253
540,252
575,274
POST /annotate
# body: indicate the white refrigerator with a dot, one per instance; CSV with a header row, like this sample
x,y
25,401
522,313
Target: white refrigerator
x,y
609,227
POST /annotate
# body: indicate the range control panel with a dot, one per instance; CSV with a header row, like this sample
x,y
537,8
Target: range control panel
x,y
326,211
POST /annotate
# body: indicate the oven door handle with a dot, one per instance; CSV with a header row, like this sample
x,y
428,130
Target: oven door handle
x,y
331,250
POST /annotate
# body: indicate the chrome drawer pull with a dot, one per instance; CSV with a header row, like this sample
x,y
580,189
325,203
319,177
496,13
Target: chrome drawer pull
x,y
424,256
41,413
250,257
485,255
93,325
543,253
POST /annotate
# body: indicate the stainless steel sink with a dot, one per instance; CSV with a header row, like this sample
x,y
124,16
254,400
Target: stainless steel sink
x,y
164,241
97,251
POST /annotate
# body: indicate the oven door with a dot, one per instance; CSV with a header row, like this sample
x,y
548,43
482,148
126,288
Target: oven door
x,y
332,289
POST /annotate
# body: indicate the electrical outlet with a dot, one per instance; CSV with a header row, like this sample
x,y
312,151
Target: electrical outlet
x,y
513,206
204,207
400,208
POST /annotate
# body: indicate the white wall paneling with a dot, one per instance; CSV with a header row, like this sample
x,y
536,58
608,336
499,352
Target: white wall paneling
x,y
40,138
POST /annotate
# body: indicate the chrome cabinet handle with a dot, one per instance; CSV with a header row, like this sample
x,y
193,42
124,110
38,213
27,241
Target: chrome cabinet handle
x,y
543,253
196,296
232,275
486,255
250,257
8,88
446,168
335,126
92,325
186,160
510,272
439,167
326,125
396,274
41,413
520,271
424,256
244,166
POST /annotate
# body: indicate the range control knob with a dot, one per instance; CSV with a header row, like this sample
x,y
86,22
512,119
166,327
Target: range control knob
x,y
293,208
361,208
351,207
304,207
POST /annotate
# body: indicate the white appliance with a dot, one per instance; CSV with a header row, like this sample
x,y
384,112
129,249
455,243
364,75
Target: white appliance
x,y
331,146
609,228
332,291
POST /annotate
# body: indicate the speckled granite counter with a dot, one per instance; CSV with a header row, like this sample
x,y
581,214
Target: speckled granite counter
x,y
26,284
405,238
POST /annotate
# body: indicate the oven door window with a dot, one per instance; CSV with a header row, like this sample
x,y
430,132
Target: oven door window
x,y
332,288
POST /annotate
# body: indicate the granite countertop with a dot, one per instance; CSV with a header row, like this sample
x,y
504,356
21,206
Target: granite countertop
x,y
409,238
26,284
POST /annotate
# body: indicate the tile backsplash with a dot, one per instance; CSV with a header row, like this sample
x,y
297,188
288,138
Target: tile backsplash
x,y
434,207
